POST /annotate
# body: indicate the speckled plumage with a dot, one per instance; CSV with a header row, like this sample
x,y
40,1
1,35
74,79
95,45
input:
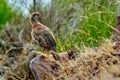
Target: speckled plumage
x,y
44,39
41,34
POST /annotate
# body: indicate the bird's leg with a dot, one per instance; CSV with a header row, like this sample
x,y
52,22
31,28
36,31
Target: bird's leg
x,y
43,50
31,41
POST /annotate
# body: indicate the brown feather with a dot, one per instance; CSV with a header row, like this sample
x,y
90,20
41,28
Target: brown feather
x,y
41,34
44,38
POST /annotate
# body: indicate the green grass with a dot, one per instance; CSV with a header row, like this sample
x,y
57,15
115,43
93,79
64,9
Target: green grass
x,y
5,12
97,23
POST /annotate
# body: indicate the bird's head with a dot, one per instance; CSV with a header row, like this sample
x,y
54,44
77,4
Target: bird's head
x,y
34,18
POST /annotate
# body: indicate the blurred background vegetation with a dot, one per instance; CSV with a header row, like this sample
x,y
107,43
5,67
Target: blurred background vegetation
x,y
75,23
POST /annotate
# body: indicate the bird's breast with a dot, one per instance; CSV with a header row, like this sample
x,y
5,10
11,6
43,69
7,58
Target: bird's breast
x,y
38,26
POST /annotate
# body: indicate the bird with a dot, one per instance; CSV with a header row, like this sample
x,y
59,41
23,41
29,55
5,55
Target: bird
x,y
42,35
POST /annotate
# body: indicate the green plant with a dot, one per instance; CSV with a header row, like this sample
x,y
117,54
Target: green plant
x,y
95,24
5,12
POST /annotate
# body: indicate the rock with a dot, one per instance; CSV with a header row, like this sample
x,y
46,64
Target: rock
x,y
44,69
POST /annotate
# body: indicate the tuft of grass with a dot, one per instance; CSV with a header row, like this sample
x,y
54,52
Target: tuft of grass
x,y
95,24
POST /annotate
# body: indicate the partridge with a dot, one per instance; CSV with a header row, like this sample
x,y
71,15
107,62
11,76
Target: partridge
x,y
42,35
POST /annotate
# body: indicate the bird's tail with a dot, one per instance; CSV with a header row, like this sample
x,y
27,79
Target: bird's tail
x,y
54,49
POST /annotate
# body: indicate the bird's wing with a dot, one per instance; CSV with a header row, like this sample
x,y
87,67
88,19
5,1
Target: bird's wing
x,y
35,37
49,39
46,40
